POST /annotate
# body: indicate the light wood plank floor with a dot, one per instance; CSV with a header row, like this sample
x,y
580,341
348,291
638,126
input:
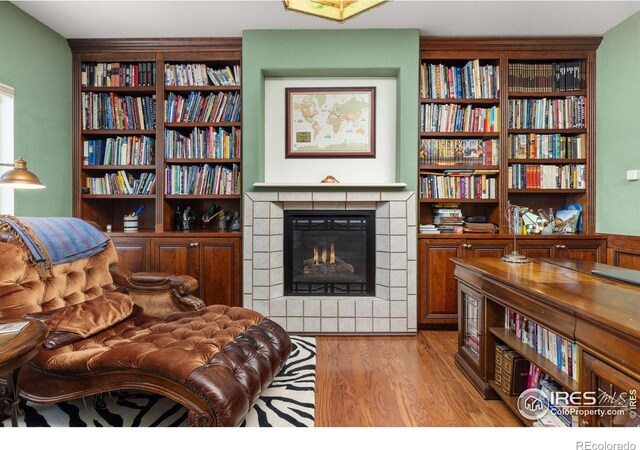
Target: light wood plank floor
x,y
396,381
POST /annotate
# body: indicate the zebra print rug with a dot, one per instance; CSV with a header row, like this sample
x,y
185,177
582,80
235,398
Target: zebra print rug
x,y
288,402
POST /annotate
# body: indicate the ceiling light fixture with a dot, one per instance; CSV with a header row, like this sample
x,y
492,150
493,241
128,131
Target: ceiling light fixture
x,y
334,10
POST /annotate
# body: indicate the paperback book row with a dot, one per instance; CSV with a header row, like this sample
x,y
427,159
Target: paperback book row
x,y
108,111
559,351
221,107
469,81
123,183
200,75
547,146
204,179
118,151
544,113
514,374
548,77
117,74
459,151
454,184
458,118
528,176
203,143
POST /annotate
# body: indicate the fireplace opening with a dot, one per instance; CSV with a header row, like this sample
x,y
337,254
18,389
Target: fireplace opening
x,y
329,253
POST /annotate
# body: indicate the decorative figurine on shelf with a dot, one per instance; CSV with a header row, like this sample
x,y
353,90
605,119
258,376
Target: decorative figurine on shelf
x,y
330,179
222,220
212,214
177,219
235,221
188,219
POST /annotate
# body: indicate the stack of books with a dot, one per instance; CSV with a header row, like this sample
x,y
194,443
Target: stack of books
x,y
448,219
429,229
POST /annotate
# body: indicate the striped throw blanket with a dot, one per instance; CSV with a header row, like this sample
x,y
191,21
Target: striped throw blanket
x,y
55,240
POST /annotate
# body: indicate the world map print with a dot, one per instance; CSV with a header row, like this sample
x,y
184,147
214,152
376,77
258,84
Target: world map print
x,y
331,121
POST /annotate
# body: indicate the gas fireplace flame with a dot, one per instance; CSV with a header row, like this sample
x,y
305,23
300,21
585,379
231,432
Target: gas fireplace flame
x,y
322,257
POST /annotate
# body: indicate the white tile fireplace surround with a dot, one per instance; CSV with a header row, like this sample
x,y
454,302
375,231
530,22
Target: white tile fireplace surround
x,y
393,308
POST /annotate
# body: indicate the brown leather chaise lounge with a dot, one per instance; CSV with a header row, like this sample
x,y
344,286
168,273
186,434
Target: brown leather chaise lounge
x,y
110,329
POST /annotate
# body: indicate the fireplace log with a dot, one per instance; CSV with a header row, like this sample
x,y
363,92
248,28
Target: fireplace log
x,y
340,267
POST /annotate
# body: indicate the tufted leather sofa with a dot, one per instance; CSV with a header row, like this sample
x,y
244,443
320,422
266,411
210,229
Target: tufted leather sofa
x,y
110,329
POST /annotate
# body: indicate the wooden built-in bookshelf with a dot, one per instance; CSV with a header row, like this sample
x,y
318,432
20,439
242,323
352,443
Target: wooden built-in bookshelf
x,y
535,59
99,57
210,253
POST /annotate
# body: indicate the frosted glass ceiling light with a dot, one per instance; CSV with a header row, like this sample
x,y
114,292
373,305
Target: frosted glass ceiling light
x,y
334,10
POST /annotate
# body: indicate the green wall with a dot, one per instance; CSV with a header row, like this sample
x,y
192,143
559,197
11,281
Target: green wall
x,y
618,129
36,62
331,53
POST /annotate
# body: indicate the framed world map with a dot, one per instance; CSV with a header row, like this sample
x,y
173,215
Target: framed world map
x,y
330,122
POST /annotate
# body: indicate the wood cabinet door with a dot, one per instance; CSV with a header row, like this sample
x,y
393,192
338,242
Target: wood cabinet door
x,y
174,256
438,293
534,248
495,248
133,253
615,391
219,262
586,250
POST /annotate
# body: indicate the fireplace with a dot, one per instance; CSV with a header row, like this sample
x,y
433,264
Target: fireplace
x,y
329,253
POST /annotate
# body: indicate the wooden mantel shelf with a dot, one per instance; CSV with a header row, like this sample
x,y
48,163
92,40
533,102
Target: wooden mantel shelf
x,y
336,186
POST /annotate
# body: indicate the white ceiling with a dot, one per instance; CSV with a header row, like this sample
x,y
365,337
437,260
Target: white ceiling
x,y
131,19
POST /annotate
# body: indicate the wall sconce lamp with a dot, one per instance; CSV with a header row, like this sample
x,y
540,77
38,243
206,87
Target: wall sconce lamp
x,y
338,10
19,177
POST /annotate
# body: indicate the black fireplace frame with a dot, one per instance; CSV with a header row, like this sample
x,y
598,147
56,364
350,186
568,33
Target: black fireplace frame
x,y
329,289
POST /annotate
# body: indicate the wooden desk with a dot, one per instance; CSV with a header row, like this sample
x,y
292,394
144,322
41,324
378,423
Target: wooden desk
x,y
601,316
16,349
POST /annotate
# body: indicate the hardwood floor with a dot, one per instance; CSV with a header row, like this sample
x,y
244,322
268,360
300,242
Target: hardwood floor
x,y
396,381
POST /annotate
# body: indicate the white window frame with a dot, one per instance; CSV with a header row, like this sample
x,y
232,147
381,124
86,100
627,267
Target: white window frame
x,y
6,144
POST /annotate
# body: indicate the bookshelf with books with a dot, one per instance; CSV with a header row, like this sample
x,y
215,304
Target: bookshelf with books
x,y
157,127
532,337
518,115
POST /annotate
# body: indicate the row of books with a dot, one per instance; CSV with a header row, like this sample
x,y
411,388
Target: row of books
x,y
547,146
458,118
117,74
108,111
551,346
123,183
200,75
221,107
459,151
469,81
121,150
514,374
548,77
203,143
467,184
207,179
544,176
544,113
